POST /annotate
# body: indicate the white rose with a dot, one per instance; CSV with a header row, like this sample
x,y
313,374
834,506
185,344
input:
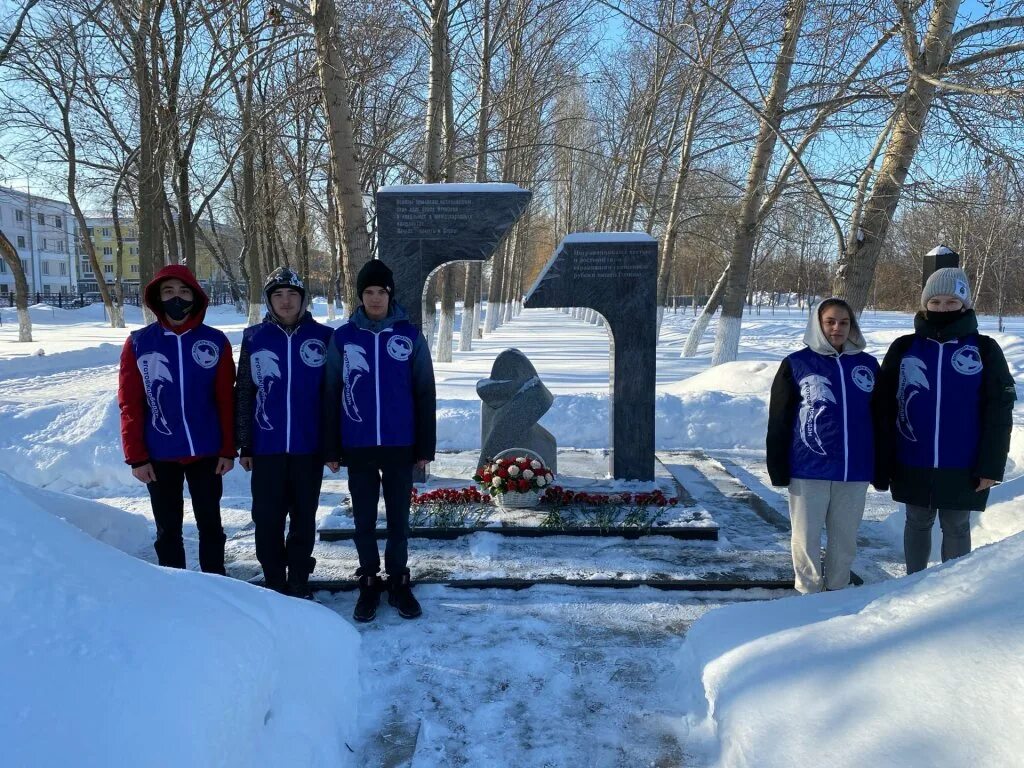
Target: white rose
x,y
496,481
527,474
536,464
541,482
513,470
548,477
520,458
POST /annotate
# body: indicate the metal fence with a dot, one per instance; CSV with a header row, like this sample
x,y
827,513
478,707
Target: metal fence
x,y
85,298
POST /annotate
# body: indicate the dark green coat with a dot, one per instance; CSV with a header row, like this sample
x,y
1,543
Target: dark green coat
x,y
945,487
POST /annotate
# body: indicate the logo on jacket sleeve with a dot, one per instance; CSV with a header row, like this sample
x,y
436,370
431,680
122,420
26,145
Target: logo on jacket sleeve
x,y
313,353
155,377
265,371
400,347
205,353
913,378
863,377
353,367
816,394
967,360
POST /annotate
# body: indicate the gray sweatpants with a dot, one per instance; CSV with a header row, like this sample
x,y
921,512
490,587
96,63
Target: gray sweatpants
x,y
917,535
838,507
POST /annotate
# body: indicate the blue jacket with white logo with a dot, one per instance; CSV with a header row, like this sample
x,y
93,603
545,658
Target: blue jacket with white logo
x,y
945,413
179,374
379,388
278,388
820,417
937,379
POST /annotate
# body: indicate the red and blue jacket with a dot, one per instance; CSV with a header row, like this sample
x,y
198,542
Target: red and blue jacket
x,y
175,388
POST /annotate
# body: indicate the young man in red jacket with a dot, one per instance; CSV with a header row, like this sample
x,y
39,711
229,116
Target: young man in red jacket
x,y
176,394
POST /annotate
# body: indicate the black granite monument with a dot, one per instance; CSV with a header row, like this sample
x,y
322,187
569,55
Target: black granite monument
x,y
513,400
422,226
938,258
615,273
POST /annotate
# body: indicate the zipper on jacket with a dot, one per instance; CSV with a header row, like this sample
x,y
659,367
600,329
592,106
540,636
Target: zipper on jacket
x,y
288,395
376,377
181,392
846,434
288,402
938,403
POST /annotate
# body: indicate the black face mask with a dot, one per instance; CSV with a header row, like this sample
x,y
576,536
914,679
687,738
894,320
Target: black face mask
x,y
942,319
177,308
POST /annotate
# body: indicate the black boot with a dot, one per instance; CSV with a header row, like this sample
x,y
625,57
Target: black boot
x,y
401,597
298,580
369,598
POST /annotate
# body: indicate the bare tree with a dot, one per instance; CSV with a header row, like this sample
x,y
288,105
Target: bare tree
x,y
10,257
931,68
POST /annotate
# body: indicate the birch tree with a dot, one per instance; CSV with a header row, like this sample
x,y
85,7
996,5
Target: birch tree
x,y
939,59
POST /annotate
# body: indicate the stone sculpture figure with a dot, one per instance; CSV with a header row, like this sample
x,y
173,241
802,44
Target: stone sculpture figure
x,y
514,399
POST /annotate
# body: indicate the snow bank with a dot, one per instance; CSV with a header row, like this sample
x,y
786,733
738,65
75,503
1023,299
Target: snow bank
x,y
106,660
73,443
922,671
118,528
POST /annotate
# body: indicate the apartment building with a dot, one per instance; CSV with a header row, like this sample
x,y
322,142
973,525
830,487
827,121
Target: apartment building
x,y
104,239
43,232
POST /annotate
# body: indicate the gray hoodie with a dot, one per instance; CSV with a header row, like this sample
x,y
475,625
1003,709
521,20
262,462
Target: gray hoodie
x,y
814,336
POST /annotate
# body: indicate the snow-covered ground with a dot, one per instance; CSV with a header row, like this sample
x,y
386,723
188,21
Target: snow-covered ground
x,y
107,660
908,672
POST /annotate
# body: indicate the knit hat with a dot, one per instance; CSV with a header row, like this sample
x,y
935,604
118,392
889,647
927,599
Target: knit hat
x,y
375,272
284,277
948,281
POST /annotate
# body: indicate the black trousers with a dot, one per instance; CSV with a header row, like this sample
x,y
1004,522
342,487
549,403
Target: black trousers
x,y
365,480
286,486
166,494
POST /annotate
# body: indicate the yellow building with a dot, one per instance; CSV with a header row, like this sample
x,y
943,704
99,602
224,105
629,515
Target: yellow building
x,y
101,231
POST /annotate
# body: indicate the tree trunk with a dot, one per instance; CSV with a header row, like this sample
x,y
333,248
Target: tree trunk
x,y
332,253
150,183
856,269
494,288
429,308
474,270
10,256
701,323
345,166
448,273
727,337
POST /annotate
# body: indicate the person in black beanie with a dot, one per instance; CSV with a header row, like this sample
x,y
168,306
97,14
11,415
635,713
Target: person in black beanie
x,y
380,422
945,408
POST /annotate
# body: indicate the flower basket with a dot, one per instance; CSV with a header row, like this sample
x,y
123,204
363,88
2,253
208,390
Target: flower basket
x,y
517,500
514,478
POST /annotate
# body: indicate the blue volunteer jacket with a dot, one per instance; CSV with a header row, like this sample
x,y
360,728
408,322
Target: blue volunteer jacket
x,y
832,437
379,389
284,372
178,375
937,418
377,401
820,424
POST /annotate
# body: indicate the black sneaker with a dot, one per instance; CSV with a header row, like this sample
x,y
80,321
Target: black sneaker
x,y
369,599
400,596
856,580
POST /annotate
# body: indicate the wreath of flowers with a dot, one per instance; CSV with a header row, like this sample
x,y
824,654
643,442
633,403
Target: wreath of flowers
x,y
520,474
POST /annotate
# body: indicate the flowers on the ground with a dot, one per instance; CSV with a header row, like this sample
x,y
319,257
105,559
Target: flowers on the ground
x,y
520,474
562,497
